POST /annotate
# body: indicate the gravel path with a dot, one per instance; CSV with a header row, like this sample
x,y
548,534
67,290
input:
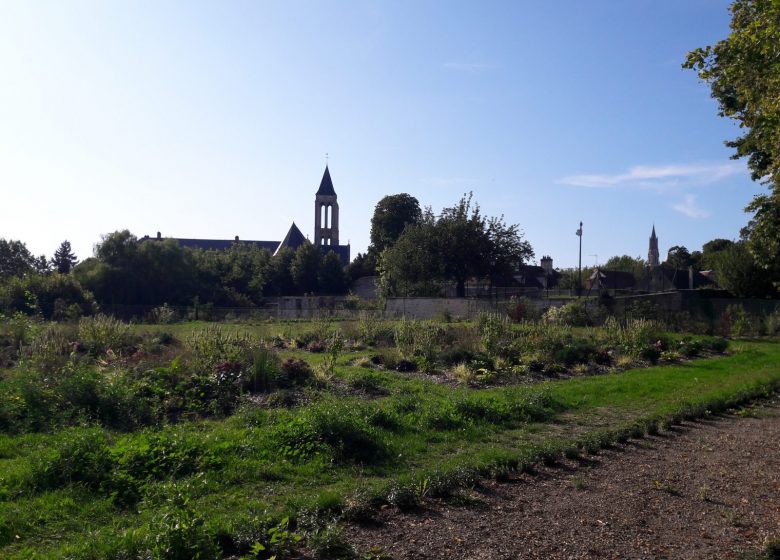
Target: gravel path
x,y
706,489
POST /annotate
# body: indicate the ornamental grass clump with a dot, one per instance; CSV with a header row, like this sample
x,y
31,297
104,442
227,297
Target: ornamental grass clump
x,y
101,333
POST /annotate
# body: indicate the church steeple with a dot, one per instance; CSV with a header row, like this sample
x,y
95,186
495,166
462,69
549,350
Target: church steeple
x,y
653,257
326,213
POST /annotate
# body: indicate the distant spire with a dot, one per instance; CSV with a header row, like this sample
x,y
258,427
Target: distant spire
x,y
653,256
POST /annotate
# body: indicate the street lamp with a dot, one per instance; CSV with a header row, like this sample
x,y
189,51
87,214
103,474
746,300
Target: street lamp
x,y
579,282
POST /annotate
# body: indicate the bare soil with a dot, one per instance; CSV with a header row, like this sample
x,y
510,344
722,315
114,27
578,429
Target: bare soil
x,y
706,489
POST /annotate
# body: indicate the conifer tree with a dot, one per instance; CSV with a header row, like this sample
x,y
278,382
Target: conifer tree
x,y
64,260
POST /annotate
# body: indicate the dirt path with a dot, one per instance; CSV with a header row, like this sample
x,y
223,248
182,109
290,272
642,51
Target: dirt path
x,y
707,489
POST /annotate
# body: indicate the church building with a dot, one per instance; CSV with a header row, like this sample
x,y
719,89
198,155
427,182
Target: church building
x,y
326,229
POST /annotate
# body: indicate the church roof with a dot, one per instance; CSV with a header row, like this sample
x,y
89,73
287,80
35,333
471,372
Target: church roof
x,y
652,235
221,244
293,239
326,185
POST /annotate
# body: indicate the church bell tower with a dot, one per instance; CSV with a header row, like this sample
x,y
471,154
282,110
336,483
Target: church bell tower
x,y
326,213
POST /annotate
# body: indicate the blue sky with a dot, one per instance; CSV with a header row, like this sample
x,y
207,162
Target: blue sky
x,y
212,119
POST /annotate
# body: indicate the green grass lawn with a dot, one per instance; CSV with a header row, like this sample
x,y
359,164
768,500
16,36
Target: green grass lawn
x,y
220,484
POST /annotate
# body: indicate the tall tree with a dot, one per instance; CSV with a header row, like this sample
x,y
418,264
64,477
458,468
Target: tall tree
x,y
16,259
679,257
64,260
737,272
391,216
460,244
626,263
710,250
305,268
332,279
743,72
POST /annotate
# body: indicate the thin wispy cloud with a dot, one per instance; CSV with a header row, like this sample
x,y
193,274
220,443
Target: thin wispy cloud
x,y
688,207
659,177
468,66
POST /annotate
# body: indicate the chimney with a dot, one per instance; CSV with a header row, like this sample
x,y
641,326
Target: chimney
x,y
690,277
547,264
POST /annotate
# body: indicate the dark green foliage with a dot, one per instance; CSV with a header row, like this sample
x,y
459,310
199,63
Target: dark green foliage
x,y
741,72
305,268
332,431
650,353
391,216
772,549
16,260
578,352
64,259
54,296
181,534
81,456
296,371
331,277
459,244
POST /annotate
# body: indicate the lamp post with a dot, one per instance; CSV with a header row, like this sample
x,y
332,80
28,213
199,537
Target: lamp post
x,y
579,267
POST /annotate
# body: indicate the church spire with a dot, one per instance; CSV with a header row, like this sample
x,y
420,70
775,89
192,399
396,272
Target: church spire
x,y
326,185
653,256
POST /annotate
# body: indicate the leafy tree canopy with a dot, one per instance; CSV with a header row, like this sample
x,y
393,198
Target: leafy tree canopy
x,y
16,260
737,272
679,257
391,216
626,263
743,72
460,244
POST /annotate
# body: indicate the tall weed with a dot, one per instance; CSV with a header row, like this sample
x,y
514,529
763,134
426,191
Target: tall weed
x,y
101,333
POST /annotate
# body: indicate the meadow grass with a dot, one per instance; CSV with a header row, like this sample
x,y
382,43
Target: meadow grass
x,y
91,492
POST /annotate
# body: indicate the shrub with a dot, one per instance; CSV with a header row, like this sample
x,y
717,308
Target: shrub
x,y
163,315
574,314
296,371
650,353
495,333
718,345
419,339
578,352
333,430
212,345
54,296
50,347
101,333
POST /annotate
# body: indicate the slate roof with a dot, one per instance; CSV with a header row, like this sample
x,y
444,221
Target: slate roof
x,y
341,250
223,244
612,279
293,239
679,278
532,276
326,185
